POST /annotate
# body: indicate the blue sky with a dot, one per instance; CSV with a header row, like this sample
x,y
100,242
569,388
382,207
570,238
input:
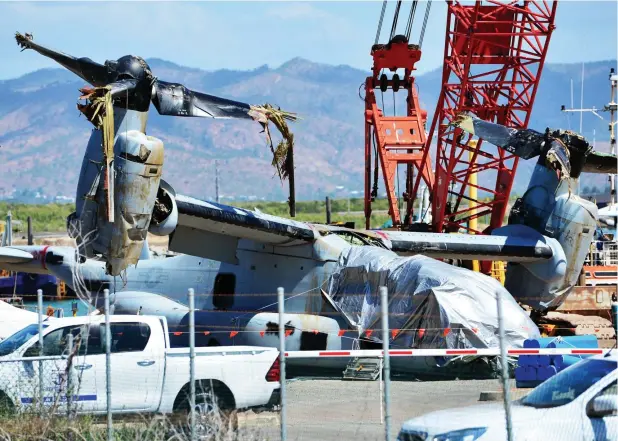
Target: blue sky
x,y
245,35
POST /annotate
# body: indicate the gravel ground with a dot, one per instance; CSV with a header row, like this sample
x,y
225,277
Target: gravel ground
x,y
350,410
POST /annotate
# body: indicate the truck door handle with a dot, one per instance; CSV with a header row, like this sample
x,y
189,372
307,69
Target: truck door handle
x,y
83,367
146,363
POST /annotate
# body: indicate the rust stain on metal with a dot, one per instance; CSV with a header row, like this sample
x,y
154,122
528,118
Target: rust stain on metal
x,y
588,298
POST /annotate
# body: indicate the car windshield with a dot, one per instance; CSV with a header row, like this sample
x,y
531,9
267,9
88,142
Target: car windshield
x,y
15,341
569,384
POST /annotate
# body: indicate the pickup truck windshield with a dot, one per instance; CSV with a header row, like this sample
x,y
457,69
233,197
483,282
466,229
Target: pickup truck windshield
x,y
19,338
569,384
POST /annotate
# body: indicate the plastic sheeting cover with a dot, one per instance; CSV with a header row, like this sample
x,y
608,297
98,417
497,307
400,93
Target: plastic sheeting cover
x,y
426,297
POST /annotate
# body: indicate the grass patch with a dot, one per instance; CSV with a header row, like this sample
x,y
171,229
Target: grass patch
x,y
45,218
31,426
51,218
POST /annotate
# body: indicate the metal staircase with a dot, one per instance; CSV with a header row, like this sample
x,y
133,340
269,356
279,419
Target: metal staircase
x,y
363,368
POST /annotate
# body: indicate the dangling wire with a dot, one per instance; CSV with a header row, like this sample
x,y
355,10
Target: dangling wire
x,y
420,42
380,22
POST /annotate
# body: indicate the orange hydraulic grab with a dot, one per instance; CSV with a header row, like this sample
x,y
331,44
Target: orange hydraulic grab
x,y
493,59
395,139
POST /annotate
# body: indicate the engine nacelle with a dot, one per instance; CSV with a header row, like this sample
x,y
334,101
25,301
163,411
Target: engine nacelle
x,y
137,168
568,222
165,213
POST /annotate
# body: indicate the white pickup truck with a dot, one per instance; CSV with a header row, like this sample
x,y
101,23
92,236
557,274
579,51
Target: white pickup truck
x,y
147,376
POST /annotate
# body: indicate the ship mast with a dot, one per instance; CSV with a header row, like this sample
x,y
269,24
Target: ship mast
x,y
611,107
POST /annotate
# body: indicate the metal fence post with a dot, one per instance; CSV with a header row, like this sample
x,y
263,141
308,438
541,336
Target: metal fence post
x,y
381,391
108,371
506,392
68,370
39,300
280,300
30,235
328,210
192,362
387,363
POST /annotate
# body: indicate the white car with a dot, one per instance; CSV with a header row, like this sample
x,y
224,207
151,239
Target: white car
x,y
579,403
147,376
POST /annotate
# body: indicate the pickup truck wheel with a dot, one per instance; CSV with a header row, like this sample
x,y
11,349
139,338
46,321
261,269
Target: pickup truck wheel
x,y
211,414
214,407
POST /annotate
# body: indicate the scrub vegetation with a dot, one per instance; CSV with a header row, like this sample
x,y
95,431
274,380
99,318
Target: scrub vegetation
x,y
51,218
44,427
45,218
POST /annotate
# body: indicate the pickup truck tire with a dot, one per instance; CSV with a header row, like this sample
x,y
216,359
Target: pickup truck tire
x,y
209,396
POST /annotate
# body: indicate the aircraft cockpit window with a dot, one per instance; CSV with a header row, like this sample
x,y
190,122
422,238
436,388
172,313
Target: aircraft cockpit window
x,y
223,292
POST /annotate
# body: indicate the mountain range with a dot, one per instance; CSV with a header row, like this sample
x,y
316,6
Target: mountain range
x,y
43,136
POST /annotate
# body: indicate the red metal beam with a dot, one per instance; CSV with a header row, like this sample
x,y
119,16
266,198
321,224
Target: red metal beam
x,y
493,58
397,139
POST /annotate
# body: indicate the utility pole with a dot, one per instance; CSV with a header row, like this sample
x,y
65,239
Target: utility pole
x,y
216,181
30,235
290,167
328,213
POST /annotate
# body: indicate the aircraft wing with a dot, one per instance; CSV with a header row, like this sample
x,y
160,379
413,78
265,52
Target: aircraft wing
x,y
522,245
212,230
9,255
33,258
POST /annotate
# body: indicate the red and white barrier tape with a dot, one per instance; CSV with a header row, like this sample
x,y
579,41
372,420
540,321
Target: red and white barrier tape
x,y
442,352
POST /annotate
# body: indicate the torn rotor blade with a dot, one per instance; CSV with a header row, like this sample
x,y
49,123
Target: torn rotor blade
x,y
597,162
176,100
525,143
90,71
557,158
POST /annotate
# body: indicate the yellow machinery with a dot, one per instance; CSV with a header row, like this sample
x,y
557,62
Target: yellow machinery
x,y
497,267
473,223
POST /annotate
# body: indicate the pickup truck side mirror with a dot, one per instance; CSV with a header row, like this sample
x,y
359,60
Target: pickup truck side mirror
x,y
602,406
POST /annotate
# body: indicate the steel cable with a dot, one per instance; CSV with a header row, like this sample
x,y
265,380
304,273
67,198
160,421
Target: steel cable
x,y
395,19
380,22
420,42
411,19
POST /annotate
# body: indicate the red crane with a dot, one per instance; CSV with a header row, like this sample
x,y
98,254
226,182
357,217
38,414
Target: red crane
x,y
394,139
493,58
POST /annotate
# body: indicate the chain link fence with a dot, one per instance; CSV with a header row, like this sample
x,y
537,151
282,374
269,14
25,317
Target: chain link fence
x,y
69,385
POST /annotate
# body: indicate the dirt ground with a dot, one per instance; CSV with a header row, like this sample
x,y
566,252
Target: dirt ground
x,y
336,410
